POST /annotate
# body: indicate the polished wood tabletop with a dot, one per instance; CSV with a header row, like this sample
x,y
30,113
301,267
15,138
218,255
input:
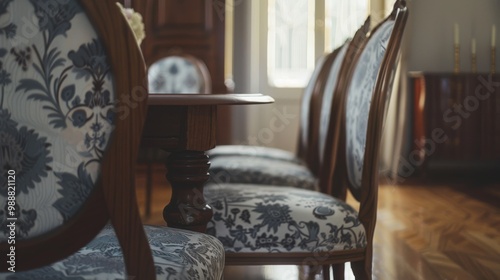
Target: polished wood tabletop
x,y
185,126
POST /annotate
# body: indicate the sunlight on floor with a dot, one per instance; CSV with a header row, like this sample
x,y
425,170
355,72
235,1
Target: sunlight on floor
x,y
276,272
281,272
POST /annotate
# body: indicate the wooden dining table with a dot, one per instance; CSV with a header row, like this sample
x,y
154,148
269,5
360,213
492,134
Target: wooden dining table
x,y
185,126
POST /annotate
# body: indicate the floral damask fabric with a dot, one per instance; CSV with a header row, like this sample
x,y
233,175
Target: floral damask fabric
x,y
174,74
56,96
177,254
252,218
359,96
254,151
262,171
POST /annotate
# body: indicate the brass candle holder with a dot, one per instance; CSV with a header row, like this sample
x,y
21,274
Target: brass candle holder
x,y
456,67
493,60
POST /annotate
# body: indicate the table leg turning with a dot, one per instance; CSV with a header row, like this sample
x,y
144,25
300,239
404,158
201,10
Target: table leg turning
x,y
187,172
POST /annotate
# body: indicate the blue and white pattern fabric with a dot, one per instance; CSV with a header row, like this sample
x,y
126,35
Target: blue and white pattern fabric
x,y
56,117
177,254
359,96
267,219
174,74
262,171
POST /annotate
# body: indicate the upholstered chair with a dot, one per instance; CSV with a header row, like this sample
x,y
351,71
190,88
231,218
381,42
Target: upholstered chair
x,y
69,137
285,225
310,103
272,166
179,74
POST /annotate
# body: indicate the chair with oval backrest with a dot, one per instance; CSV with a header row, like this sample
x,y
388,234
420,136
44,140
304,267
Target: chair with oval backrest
x,y
310,104
272,166
286,225
180,73
69,142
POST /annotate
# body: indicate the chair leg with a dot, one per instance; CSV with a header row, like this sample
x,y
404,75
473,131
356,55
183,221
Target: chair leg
x,y
326,272
362,270
338,271
149,188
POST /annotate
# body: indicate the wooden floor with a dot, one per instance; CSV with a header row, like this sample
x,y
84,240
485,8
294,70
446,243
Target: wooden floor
x,y
424,231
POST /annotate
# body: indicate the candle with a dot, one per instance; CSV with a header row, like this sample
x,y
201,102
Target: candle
x,y
473,46
457,35
493,35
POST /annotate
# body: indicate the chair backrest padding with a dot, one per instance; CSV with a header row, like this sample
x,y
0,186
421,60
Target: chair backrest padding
x,y
56,112
73,99
179,74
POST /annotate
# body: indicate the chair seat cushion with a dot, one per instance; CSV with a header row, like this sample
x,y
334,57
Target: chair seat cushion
x,y
260,219
178,254
254,151
262,171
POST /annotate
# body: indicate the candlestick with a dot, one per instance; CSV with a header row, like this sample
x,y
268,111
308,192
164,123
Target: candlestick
x,y
456,48
493,35
493,60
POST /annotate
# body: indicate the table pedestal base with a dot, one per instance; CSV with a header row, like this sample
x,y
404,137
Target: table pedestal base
x,y
187,173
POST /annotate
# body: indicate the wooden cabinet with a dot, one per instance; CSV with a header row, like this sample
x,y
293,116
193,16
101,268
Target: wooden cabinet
x,y
194,27
456,122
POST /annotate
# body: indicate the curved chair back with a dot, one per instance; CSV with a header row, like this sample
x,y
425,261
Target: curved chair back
x,y
334,92
69,141
311,110
362,116
179,74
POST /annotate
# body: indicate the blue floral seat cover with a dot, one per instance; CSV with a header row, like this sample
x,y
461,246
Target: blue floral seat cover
x,y
262,171
252,218
177,254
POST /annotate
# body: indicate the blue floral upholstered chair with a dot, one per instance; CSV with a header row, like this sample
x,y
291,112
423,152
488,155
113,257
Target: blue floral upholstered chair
x,y
272,166
285,225
310,104
269,166
179,74
70,72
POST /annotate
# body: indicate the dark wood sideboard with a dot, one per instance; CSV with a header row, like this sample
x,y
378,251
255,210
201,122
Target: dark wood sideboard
x,y
456,124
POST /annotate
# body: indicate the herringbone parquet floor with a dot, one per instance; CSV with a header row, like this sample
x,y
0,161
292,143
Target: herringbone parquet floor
x,y
424,231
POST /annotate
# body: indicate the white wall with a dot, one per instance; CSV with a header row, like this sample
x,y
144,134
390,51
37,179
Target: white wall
x,y
429,46
272,125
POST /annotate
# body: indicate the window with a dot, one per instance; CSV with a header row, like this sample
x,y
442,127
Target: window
x,y
292,39
342,19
